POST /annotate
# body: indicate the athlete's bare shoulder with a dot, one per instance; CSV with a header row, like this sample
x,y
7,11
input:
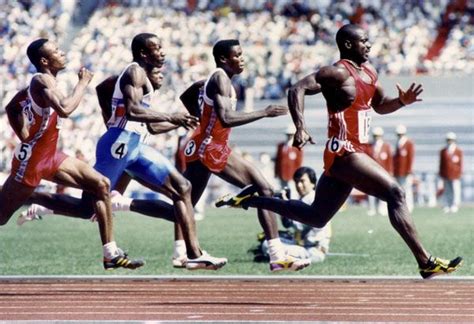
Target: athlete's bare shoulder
x,y
219,83
134,75
332,75
42,80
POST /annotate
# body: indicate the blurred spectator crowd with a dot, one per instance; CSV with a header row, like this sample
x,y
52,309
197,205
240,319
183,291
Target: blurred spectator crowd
x,y
283,40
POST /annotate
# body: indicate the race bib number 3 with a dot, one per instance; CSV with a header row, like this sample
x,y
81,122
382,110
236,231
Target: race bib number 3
x,y
119,150
190,148
364,126
23,152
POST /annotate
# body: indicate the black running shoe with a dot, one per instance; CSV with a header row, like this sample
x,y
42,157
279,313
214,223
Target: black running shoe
x,y
237,200
437,266
122,261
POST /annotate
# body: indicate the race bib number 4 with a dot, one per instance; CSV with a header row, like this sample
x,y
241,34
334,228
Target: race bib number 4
x,y
364,126
119,150
23,152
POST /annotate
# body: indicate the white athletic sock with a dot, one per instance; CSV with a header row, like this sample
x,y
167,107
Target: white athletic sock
x,y
276,249
110,250
119,202
41,210
179,249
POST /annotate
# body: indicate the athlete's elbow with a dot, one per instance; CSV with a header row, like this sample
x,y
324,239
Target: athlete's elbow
x,y
226,122
63,112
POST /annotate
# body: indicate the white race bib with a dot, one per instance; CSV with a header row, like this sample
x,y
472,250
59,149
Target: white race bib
x,y
364,125
119,150
23,152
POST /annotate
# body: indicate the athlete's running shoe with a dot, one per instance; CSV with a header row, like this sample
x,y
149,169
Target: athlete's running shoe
x,y
437,266
206,262
122,261
34,212
179,262
237,200
289,263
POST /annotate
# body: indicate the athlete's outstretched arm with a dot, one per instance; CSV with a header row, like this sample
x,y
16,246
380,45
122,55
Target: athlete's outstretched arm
x,y
15,115
163,127
385,105
132,83
45,92
190,98
221,94
306,86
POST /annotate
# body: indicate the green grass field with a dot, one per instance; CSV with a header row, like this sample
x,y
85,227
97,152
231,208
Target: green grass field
x,y
64,246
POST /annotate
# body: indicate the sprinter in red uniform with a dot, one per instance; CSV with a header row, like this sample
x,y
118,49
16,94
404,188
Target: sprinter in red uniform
x,y
351,91
36,158
208,151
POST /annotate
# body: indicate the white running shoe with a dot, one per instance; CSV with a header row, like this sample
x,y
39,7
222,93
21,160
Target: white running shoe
x,y
206,262
34,212
119,202
179,262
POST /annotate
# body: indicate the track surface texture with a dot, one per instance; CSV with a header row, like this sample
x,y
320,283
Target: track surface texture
x,y
241,299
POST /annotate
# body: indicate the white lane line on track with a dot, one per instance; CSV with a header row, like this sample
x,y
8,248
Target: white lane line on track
x,y
269,277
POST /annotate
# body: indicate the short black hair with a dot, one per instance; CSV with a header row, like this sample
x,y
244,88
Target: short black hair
x,y
346,32
34,51
300,172
222,48
139,44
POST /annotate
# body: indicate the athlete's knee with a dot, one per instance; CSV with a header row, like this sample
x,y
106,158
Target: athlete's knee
x,y
103,187
396,194
183,187
265,190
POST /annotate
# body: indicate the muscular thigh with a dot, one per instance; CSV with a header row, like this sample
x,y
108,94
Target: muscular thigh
x,y
151,167
362,172
331,193
14,194
241,172
76,173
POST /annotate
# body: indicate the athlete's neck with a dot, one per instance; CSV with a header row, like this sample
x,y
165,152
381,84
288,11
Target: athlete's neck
x,y
354,64
229,73
50,72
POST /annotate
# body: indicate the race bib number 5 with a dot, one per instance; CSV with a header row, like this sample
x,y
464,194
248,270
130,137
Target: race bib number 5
x,y
119,150
23,152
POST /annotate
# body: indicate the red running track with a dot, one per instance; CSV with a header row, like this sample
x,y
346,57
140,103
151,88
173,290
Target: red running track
x,y
214,299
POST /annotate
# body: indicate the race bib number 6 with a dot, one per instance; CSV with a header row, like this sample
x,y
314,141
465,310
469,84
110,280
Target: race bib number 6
x,y
119,150
335,145
23,152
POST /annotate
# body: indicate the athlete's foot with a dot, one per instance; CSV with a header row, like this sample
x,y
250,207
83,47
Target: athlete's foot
x,y
289,263
34,212
238,200
206,262
122,261
179,262
437,266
